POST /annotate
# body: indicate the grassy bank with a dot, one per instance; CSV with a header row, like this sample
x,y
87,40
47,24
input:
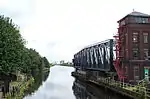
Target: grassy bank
x,y
19,89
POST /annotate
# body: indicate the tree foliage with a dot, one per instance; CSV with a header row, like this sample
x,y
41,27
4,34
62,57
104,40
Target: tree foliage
x,y
46,62
14,56
11,46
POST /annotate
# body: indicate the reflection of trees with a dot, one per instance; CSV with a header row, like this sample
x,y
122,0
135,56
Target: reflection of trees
x,y
45,76
39,78
15,58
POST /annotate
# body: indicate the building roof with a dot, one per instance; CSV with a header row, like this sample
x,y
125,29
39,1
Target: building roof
x,y
135,13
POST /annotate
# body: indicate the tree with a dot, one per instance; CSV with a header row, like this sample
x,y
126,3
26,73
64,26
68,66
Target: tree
x,y
26,62
11,47
36,62
14,56
62,62
46,62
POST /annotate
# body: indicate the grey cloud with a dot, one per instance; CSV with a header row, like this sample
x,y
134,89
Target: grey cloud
x,y
61,28
51,44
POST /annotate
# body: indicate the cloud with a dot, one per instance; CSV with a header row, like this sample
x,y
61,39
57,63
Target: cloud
x,y
59,28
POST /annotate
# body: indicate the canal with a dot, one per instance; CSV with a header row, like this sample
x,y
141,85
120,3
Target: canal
x,y
59,84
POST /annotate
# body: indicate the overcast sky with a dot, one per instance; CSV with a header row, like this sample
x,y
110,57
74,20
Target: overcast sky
x,y
58,29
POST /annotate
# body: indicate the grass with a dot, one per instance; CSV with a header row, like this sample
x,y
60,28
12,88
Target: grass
x,y
22,86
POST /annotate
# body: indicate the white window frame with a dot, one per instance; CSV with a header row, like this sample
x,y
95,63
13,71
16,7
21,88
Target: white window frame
x,y
145,35
135,34
136,77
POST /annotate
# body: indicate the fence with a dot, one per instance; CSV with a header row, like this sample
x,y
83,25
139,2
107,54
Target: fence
x,y
125,88
121,87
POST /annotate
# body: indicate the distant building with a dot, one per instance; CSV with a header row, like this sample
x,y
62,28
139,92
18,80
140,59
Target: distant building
x,y
62,62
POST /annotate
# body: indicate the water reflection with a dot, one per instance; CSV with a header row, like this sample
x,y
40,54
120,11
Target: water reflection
x,y
57,86
39,78
84,90
61,85
81,92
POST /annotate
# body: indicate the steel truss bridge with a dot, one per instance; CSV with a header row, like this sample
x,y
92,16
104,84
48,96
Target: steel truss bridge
x,y
98,56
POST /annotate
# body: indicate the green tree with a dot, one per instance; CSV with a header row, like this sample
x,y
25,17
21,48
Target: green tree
x,y
46,62
26,62
11,47
14,56
36,62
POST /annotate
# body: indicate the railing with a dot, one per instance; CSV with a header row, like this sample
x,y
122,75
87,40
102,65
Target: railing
x,y
124,88
129,88
117,61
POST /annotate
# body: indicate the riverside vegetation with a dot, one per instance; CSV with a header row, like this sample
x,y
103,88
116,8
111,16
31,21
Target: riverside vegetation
x,y
19,65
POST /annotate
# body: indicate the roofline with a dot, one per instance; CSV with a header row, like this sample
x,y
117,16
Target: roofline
x,y
132,15
122,19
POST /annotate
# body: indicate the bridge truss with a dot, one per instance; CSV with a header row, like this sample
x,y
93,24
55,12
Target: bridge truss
x,y
98,57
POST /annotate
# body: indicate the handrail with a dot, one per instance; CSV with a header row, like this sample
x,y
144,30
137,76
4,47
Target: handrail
x,y
118,84
127,86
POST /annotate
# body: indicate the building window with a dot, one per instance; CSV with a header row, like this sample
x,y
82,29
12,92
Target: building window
x,y
145,20
138,20
135,37
141,20
135,53
126,35
145,53
145,37
136,73
126,53
122,23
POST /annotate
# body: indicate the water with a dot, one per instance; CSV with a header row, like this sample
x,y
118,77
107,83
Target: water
x,y
61,85
57,86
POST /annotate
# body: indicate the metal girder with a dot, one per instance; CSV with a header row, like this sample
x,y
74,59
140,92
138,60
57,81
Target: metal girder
x,y
98,56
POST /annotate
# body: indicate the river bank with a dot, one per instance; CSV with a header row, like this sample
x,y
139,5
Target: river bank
x,y
18,62
24,85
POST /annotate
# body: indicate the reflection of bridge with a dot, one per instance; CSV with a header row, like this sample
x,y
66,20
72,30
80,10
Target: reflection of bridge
x,y
125,89
84,90
97,61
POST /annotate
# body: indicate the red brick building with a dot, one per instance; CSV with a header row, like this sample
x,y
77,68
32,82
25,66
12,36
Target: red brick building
x,y
134,35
